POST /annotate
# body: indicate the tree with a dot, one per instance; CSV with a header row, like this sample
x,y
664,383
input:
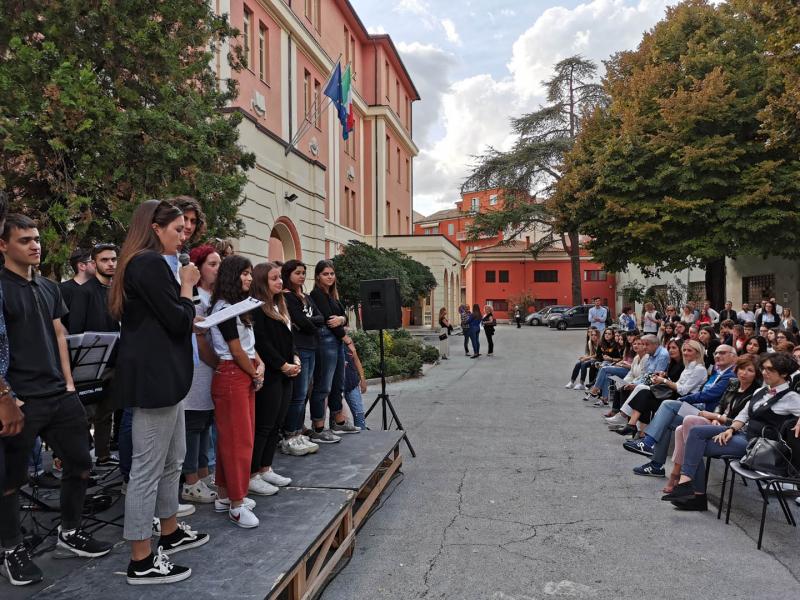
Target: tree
x,y
676,172
535,164
420,279
105,104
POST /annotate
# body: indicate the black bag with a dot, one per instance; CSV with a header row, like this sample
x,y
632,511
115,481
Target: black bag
x,y
442,336
661,391
768,455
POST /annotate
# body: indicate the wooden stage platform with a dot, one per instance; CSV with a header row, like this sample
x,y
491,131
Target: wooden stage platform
x,y
305,531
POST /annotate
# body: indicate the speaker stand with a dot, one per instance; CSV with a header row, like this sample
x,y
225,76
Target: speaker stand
x,y
383,398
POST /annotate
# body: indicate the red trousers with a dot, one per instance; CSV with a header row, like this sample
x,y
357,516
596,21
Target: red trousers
x,y
234,410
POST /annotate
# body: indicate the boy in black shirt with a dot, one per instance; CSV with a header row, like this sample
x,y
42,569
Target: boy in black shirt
x,y
39,371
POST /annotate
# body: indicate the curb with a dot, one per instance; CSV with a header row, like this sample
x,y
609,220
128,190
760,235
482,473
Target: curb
x,y
396,378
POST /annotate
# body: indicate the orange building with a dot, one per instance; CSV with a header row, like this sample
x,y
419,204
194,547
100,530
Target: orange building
x,y
498,275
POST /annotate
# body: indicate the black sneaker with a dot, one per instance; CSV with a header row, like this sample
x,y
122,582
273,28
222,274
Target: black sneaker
x,y
182,538
18,567
156,569
109,462
46,480
82,544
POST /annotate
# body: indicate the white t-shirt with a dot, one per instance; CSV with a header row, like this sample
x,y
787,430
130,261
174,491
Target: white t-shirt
x,y
199,396
246,337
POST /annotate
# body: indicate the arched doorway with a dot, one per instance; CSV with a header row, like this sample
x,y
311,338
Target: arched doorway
x,y
284,241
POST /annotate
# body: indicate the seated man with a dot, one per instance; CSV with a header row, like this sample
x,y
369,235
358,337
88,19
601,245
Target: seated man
x,y
39,372
657,436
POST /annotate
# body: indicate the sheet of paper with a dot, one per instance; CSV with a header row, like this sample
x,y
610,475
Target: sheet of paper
x,y
230,312
687,410
618,381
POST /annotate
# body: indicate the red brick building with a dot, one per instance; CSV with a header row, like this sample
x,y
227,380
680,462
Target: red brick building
x,y
497,274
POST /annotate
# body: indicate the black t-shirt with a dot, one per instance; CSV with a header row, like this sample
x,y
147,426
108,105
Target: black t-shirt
x,y
89,309
68,289
30,307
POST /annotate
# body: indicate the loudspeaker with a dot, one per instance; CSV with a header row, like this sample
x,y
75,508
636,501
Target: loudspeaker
x,y
380,304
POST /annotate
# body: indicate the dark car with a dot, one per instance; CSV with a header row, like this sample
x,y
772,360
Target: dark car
x,y
577,316
540,316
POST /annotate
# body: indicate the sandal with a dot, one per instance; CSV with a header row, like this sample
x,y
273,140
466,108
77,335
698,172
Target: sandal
x,y
673,481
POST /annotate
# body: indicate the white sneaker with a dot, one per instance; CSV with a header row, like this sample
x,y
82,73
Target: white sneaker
x,y
797,501
259,487
275,479
184,510
223,504
243,517
312,447
617,419
294,446
570,385
579,386
157,525
198,492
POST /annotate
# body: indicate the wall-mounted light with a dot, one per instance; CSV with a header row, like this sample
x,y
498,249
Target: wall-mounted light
x,y
289,197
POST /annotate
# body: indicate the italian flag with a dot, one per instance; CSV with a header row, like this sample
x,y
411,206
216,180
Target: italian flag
x,y
348,119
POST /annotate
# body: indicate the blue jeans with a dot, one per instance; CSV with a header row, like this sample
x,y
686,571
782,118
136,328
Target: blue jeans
x,y
700,444
198,427
35,459
603,382
126,443
356,404
663,423
297,407
328,370
212,445
582,366
475,338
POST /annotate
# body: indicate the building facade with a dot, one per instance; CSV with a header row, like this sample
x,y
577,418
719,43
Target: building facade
x,y
309,194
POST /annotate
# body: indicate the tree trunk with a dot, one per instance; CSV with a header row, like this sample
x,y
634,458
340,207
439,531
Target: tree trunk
x,y
575,263
715,283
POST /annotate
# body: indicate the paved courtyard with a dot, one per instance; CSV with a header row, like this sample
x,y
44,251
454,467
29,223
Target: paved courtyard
x,y
519,492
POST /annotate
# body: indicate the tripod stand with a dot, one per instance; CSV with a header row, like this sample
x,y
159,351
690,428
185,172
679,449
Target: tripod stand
x,y
383,398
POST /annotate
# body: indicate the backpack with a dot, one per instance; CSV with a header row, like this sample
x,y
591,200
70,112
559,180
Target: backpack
x,y
609,320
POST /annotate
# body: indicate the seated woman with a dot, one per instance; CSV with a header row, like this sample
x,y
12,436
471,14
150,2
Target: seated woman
x,y
666,332
785,336
771,339
687,315
686,374
739,392
773,406
620,368
608,353
739,339
585,361
755,346
637,369
709,339
680,332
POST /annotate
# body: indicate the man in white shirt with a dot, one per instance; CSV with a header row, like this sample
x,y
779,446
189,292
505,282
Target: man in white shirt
x,y
598,315
746,314
711,312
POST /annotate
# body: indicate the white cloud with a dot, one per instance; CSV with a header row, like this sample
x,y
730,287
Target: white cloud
x,y
508,12
450,32
419,8
376,30
473,114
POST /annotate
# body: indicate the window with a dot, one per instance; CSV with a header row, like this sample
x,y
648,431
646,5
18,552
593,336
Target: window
x,y
262,52
353,56
408,225
493,199
408,174
596,275
545,276
318,103
503,276
501,305
388,155
490,276
406,109
386,78
428,231
388,216
399,221
309,9
246,33
475,205
354,210
307,95
398,165
318,15
346,207
754,289
451,229
346,47
397,94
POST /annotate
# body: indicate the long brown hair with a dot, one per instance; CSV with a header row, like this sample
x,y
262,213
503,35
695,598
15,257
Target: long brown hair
x,y
321,266
260,289
141,238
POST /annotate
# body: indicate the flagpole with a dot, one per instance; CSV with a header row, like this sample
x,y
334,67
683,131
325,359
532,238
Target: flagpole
x,y
303,129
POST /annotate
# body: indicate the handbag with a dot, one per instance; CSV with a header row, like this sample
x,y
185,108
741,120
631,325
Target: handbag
x,y
661,391
442,337
768,455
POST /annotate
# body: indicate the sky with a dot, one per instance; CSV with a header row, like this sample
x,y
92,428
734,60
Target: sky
x,y
477,63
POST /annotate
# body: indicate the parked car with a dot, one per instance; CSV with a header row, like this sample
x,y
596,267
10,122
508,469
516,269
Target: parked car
x,y
577,316
540,316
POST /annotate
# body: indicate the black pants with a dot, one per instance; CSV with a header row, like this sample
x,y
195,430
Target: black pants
x,y
272,402
465,331
489,335
647,404
61,421
620,396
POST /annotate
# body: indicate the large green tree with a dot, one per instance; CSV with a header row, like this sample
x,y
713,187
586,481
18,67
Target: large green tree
x,y
535,165
677,170
104,104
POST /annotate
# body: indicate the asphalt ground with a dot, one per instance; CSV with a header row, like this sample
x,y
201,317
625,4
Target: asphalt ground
x,y
520,492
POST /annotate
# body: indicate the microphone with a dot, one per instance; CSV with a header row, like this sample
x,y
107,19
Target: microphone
x,y
183,258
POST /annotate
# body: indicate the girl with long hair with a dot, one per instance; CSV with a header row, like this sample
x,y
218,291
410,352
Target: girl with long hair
x,y
444,333
329,367
489,323
474,323
273,332
306,324
198,405
239,374
154,372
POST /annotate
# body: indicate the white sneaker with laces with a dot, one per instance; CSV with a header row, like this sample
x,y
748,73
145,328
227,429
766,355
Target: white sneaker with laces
x,y
579,386
243,517
184,510
570,385
273,478
312,447
617,419
294,446
223,504
259,487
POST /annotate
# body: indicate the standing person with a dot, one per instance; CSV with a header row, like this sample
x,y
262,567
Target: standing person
x,y
306,322
329,368
627,321
274,344
444,332
728,313
355,384
489,323
651,320
464,314
198,405
84,270
239,375
474,322
38,369
788,322
745,315
154,373
517,316
598,315
194,221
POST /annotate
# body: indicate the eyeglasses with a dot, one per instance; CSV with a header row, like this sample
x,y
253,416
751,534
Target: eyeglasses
x,y
766,369
722,353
